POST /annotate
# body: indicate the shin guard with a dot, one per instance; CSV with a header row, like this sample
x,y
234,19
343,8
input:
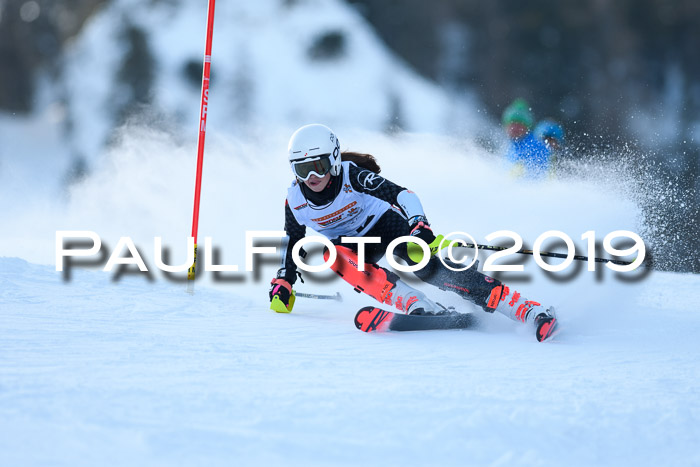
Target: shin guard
x,y
375,281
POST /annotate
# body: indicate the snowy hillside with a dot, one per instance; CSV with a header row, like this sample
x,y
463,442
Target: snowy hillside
x,y
268,66
274,65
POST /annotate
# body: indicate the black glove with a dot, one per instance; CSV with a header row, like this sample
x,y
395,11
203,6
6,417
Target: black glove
x,y
421,228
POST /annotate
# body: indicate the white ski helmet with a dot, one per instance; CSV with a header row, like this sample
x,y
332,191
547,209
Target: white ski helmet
x,y
314,149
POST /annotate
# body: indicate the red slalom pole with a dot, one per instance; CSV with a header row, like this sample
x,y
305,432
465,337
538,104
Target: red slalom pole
x,y
204,103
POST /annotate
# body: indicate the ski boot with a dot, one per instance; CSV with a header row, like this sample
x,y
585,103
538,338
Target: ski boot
x,y
510,303
545,324
409,300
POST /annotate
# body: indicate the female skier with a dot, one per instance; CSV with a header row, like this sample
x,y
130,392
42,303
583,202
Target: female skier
x,y
342,195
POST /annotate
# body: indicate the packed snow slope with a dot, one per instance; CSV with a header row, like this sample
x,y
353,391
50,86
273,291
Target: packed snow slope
x,y
125,368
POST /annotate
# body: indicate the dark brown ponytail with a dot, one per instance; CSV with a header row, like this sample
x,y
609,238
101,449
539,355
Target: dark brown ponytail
x,y
366,161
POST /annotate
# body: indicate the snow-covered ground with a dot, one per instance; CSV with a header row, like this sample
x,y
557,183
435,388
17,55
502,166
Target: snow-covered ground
x,y
98,373
106,369
100,368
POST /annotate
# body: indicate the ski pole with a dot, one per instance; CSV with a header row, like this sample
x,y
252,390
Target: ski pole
x,y
336,296
547,253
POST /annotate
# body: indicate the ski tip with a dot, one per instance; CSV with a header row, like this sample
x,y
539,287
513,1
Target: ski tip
x,y
370,319
547,330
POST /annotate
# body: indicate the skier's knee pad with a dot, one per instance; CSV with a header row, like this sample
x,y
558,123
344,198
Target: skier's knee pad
x,y
374,280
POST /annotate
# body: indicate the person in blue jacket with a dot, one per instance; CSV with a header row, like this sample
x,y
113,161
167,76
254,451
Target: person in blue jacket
x,y
527,156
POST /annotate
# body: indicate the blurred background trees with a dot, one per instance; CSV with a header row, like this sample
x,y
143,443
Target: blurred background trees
x,y
32,35
590,63
594,65
623,76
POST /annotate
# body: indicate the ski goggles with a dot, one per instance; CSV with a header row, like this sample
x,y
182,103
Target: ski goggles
x,y
319,166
